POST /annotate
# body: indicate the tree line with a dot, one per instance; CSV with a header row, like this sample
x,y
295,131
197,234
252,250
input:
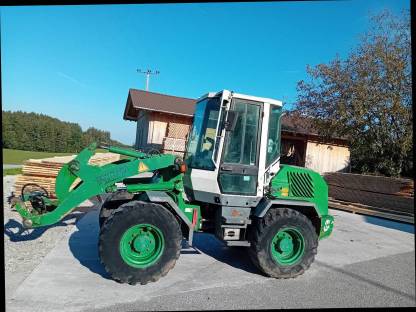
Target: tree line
x,y
42,133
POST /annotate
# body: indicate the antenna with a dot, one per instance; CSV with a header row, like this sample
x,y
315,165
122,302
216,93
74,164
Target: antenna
x,y
148,72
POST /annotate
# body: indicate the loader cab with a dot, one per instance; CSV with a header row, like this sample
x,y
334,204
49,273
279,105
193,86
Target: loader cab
x,y
233,148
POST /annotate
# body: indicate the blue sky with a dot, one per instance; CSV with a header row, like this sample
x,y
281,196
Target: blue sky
x,y
76,63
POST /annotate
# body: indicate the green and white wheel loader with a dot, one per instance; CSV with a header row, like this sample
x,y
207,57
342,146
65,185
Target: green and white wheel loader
x,y
230,183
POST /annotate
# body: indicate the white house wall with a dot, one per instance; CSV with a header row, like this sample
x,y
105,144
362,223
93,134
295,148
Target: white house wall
x,y
327,158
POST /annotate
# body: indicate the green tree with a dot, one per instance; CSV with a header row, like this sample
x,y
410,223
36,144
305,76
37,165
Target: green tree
x,y
94,135
367,97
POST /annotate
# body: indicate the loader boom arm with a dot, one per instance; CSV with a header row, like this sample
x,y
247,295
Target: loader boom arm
x,y
78,181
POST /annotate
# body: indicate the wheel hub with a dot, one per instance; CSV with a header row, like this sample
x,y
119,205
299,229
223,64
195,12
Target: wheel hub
x,y
288,246
141,245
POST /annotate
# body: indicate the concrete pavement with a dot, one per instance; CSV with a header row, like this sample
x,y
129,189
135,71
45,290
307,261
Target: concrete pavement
x,y
367,262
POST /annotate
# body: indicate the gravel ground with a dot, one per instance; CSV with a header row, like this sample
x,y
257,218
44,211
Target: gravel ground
x,y
24,250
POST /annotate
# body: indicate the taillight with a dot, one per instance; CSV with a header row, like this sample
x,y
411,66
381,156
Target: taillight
x,y
194,217
182,168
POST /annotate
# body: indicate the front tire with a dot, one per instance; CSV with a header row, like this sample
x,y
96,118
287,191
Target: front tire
x,y
113,201
283,243
139,242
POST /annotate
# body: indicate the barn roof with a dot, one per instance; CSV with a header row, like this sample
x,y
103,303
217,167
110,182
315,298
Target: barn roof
x,y
295,123
152,101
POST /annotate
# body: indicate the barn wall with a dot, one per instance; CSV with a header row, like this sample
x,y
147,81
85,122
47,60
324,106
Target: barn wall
x,y
327,158
142,129
179,127
157,128
161,131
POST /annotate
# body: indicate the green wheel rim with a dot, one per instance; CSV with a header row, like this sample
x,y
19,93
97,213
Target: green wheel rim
x,y
142,245
288,246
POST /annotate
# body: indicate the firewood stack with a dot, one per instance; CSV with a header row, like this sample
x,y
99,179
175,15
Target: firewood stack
x,y
44,171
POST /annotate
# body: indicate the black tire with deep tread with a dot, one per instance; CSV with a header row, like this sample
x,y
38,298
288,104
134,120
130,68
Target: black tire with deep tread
x,y
113,201
121,219
261,236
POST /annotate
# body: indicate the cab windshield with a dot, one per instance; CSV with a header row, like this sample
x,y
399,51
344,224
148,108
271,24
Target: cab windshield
x,y
201,139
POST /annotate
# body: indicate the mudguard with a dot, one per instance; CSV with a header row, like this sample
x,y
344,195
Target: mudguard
x,y
298,186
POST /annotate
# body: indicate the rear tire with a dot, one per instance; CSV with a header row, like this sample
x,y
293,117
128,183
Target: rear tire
x,y
139,242
283,243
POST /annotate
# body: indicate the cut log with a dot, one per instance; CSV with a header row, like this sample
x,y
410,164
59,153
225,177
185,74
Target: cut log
x,y
44,171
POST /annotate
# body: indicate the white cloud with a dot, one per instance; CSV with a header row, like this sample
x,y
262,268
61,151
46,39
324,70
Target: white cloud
x,y
74,80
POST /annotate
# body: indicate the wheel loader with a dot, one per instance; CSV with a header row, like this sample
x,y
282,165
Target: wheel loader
x,y
230,183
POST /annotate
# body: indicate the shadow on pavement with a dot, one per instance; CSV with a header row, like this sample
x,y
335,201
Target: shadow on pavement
x,y
17,233
236,257
401,226
83,244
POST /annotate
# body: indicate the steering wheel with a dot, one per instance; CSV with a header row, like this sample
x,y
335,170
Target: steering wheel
x,y
33,187
152,151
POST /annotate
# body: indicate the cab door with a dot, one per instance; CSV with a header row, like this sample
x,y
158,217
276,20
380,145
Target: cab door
x,y
239,166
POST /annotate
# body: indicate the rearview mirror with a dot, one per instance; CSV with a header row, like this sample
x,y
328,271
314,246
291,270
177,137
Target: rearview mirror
x,y
231,120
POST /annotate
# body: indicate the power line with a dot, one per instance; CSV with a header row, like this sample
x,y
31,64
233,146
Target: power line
x,y
148,72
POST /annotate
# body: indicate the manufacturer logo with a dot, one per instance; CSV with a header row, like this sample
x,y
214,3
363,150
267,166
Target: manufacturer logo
x,y
327,225
112,175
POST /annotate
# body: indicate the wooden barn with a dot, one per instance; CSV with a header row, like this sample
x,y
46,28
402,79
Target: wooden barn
x,y
163,123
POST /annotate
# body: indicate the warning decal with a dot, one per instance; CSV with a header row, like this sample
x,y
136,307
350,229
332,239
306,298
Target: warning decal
x,y
142,167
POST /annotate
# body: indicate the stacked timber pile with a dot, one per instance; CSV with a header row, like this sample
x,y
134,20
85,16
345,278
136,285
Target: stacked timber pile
x,y
388,194
172,145
175,140
44,171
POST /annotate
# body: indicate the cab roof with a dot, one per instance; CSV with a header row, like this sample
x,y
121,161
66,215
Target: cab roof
x,y
241,96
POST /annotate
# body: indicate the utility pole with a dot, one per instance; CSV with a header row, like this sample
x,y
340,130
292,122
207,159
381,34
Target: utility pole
x,y
148,73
